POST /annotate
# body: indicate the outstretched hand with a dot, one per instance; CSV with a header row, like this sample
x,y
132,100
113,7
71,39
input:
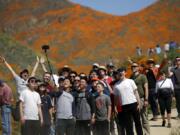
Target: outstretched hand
x,y
2,59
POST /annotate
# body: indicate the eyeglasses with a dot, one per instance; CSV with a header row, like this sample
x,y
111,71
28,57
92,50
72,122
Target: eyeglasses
x,y
72,76
76,80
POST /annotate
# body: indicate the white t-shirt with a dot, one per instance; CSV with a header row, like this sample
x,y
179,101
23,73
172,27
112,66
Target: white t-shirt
x,y
21,84
166,84
166,47
31,100
125,90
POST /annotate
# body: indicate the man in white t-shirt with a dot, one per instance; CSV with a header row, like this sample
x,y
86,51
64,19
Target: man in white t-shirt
x,y
30,109
126,90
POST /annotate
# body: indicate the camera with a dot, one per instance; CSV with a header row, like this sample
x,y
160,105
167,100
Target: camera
x,y
45,47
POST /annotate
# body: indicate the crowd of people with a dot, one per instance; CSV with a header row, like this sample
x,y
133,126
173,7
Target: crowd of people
x,y
157,49
69,103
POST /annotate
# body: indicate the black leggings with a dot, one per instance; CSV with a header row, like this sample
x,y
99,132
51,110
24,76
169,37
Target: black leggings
x,y
165,104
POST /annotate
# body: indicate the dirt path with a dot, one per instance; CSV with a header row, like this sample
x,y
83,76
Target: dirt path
x,y
157,129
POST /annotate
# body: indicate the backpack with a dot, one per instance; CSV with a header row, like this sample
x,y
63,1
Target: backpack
x,y
15,111
83,109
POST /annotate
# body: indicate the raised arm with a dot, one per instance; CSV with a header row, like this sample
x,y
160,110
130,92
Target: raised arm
x,y
163,64
129,60
42,61
2,59
35,67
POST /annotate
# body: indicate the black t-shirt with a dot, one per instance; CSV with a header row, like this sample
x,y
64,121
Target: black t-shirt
x,y
45,106
151,79
176,77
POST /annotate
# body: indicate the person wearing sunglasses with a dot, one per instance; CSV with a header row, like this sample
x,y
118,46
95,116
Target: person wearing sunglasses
x,y
125,90
30,109
142,87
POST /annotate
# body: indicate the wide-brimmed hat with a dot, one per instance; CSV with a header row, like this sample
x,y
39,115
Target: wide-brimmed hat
x,y
66,68
134,64
149,61
102,68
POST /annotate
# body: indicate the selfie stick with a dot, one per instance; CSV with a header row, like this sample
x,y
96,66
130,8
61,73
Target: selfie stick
x,y
45,48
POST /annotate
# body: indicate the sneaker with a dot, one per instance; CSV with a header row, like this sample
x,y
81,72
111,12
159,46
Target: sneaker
x,y
164,123
169,125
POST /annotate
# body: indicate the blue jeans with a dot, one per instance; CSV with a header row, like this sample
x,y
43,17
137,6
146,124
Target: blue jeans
x,y
6,119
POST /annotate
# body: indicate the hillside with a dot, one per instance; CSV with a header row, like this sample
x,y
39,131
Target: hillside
x,y
79,36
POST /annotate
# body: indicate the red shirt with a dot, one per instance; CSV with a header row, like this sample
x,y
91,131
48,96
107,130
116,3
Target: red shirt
x,y
6,95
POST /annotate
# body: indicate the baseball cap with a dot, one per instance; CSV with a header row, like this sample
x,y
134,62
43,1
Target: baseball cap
x,y
96,64
95,79
61,78
134,64
110,64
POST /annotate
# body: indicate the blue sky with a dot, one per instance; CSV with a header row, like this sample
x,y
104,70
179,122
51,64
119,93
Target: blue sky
x,y
116,7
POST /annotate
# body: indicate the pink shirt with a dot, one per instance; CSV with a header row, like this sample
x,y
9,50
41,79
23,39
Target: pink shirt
x,y
6,95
